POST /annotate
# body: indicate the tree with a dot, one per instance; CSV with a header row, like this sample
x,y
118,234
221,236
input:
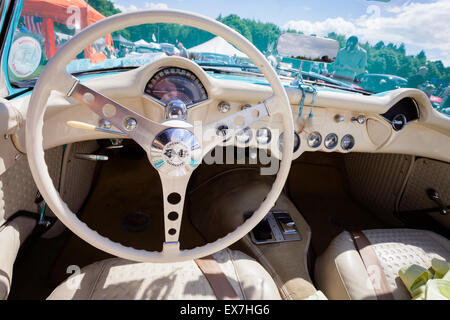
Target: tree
x,y
105,7
379,45
422,57
235,22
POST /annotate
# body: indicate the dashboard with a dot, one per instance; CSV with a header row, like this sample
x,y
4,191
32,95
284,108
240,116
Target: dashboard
x,y
343,121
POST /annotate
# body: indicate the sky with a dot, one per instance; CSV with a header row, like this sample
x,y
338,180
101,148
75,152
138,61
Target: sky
x,y
420,24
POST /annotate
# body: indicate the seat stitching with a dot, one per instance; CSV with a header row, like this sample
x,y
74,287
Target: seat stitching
x,y
96,281
342,281
236,273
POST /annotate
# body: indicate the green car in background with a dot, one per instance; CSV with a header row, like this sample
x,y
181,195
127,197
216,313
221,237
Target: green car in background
x,y
381,82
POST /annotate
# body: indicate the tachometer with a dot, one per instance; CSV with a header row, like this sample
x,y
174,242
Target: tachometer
x,y
175,83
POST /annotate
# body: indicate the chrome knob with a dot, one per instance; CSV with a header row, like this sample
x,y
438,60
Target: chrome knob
x,y
176,109
359,119
224,107
104,124
130,124
339,118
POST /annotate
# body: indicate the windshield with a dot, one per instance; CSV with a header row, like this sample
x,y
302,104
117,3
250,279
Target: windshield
x,y
383,44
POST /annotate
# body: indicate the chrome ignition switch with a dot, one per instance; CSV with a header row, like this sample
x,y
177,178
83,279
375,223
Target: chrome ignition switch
x,y
176,109
359,119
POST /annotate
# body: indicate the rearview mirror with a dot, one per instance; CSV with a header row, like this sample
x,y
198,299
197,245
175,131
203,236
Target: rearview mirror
x,y
298,46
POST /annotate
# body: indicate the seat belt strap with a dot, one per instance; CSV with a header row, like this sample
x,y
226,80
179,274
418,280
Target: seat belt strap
x,y
370,259
217,279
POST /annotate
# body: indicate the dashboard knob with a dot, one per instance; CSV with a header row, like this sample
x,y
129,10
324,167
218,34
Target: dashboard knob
x,y
359,119
224,107
104,124
130,124
339,118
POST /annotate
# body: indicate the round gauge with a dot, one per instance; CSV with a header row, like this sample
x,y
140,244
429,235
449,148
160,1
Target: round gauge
x,y
331,141
314,139
175,83
244,136
347,142
296,141
263,135
398,122
223,131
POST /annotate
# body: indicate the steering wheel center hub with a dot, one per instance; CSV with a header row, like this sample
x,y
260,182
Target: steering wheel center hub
x,y
175,151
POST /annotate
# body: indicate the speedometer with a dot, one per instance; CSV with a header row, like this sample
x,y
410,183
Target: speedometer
x,y
175,83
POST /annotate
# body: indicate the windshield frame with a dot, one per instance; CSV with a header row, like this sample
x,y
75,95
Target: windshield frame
x,y
6,46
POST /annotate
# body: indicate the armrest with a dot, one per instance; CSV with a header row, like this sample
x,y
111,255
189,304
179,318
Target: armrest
x,y
11,238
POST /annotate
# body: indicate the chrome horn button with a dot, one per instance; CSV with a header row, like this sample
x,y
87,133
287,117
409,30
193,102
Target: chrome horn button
x,y
175,151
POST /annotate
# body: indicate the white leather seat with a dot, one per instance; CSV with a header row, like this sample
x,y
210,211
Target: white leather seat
x,y
117,278
341,274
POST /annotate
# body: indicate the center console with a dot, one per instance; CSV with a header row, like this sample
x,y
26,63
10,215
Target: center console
x,y
277,226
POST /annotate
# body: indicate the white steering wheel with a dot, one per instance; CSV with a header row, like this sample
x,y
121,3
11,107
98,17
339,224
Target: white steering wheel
x,y
153,137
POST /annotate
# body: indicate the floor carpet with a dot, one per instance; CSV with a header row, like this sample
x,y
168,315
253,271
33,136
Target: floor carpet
x,y
318,188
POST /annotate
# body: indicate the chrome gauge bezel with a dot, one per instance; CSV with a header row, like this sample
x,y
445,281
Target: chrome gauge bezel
x,y
314,144
259,134
329,143
239,133
178,72
348,136
297,142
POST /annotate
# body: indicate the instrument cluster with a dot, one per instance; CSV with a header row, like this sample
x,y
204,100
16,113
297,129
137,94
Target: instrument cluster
x,y
174,83
247,136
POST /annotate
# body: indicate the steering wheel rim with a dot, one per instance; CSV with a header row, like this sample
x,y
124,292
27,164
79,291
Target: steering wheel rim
x,y
64,83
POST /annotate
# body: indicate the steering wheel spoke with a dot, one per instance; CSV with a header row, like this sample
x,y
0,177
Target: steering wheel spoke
x,y
137,127
174,191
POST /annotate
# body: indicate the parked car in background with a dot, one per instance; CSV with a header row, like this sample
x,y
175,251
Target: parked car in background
x,y
169,49
212,58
